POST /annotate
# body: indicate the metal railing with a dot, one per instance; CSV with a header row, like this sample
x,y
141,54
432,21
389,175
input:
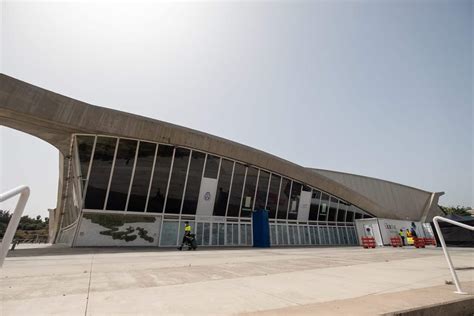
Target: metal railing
x,y
445,250
24,192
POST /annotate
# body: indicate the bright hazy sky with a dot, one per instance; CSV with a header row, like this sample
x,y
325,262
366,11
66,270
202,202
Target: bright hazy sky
x,y
379,88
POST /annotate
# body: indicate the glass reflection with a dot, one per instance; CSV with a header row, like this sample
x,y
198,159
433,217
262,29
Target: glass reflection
x,y
100,173
122,175
142,176
160,179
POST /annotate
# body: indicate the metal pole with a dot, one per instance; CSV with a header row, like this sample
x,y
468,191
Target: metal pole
x,y
445,250
24,192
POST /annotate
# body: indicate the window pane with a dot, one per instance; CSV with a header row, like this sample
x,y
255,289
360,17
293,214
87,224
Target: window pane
x,y
194,182
295,200
212,166
332,209
350,217
178,177
122,174
313,209
84,151
100,173
341,212
262,190
249,192
236,191
141,179
323,210
284,198
273,195
169,233
160,179
223,186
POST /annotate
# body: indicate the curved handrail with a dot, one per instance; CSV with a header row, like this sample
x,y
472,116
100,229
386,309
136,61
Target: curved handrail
x,y
24,192
445,250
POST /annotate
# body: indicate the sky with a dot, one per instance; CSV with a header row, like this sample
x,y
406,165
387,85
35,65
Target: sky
x,y
378,88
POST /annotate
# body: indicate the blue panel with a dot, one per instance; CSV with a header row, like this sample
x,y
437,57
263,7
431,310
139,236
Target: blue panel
x,y
261,229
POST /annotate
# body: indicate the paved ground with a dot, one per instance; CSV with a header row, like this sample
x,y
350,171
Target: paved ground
x,y
98,281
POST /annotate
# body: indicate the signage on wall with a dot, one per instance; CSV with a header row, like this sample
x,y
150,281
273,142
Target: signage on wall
x,y
207,196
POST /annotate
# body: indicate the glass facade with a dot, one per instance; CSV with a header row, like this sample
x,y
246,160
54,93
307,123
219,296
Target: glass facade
x,y
177,181
262,189
100,173
223,186
122,175
236,190
272,202
156,199
142,177
139,176
295,200
284,198
193,184
85,145
249,192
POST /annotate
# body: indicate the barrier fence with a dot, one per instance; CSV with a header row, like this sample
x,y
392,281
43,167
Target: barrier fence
x,y
24,193
436,219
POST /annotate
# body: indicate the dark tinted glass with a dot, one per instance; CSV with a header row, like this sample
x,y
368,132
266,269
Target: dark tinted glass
x,y
306,188
236,191
249,192
178,177
341,212
141,178
314,207
284,198
324,208
84,150
223,186
358,215
122,175
262,189
332,209
100,173
350,217
273,195
295,200
194,182
212,167
160,179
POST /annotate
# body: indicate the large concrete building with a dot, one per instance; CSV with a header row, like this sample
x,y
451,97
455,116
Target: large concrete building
x,y
130,180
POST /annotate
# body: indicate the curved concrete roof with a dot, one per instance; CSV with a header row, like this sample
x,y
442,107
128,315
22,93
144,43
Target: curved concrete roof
x,y
54,118
390,195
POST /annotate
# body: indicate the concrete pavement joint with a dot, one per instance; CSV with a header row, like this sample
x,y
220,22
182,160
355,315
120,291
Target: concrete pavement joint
x,y
89,285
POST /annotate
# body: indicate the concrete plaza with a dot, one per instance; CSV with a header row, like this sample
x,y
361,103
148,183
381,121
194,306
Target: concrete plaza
x,y
114,281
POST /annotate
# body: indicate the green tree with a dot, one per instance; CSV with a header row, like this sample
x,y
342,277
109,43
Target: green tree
x,y
456,210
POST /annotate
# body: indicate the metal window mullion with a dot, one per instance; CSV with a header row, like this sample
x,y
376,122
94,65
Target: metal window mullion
x,y
169,180
243,192
76,167
151,179
133,175
230,190
256,190
278,199
89,171
338,237
218,175
289,201
185,182
317,216
111,174
268,189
